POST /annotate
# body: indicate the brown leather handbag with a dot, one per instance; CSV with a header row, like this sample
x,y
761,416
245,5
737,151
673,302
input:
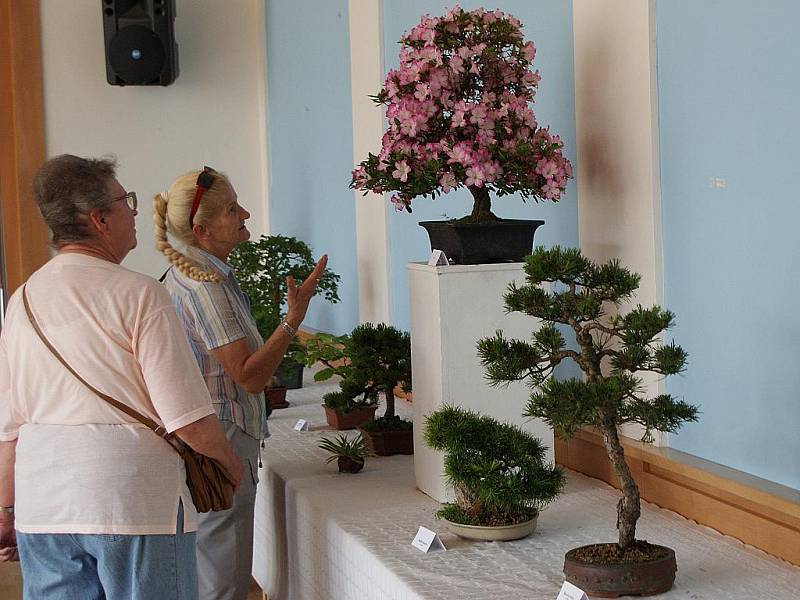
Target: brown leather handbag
x,y
208,481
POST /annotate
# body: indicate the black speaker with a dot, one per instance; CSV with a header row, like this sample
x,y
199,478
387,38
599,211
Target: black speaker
x,y
140,42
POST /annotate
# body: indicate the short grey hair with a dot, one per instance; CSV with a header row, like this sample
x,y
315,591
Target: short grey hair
x,y
67,188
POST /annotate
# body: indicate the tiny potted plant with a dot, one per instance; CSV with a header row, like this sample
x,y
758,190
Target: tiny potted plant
x,y
611,348
380,361
459,114
261,267
498,473
349,454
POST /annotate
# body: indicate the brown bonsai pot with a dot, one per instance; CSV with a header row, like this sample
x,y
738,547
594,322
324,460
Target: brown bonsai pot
x,y
349,420
349,465
388,443
276,396
592,569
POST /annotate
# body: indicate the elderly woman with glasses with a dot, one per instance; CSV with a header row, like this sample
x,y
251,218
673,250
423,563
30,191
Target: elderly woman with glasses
x,y
201,211
101,506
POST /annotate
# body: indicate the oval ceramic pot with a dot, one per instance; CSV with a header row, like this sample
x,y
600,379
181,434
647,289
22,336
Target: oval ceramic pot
x,y
493,534
506,240
615,580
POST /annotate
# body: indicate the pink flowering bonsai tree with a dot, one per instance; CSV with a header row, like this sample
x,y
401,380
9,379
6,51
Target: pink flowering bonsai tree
x,y
459,114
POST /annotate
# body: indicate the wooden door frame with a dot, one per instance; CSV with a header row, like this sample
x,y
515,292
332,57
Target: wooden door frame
x,y
25,236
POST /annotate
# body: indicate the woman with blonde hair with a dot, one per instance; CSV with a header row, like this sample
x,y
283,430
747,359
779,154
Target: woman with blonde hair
x,y
201,211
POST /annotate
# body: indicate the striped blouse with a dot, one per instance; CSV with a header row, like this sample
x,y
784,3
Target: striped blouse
x,y
213,315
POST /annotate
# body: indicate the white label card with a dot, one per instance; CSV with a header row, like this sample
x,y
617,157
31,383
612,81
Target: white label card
x,y
301,425
571,592
427,541
438,258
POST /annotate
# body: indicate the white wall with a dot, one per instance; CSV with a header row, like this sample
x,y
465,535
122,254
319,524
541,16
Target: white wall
x,y
616,118
214,114
367,73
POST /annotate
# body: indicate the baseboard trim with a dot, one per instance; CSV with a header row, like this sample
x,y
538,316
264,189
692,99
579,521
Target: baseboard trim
x,y
756,511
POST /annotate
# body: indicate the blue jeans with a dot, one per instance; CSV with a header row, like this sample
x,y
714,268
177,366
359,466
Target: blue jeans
x,y
65,566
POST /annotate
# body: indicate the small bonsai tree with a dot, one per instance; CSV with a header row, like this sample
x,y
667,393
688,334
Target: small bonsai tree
x,y
349,454
262,266
380,360
328,350
459,115
497,471
371,360
611,350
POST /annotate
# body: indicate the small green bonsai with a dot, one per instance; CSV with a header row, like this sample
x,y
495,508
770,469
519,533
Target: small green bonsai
x,y
497,470
380,360
262,266
350,455
329,350
372,360
611,349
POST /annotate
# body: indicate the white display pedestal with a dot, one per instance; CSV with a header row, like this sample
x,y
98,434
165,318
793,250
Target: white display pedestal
x,y
452,307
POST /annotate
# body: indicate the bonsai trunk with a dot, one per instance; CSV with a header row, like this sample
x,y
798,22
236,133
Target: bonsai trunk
x,y
481,207
389,393
628,507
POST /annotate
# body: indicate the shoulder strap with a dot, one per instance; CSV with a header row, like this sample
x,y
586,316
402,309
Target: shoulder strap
x,y
158,429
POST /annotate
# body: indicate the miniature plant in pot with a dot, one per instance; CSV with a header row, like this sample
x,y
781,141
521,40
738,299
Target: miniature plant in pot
x,y
347,408
261,267
349,454
380,361
344,411
611,349
498,473
459,115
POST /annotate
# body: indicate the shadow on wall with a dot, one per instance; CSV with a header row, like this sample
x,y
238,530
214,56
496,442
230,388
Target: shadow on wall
x,y
601,169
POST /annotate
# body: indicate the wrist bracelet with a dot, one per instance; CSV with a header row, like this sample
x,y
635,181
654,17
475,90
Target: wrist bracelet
x,y
7,509
288,328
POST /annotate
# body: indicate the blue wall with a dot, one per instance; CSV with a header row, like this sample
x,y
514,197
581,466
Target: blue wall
x,y
728,101
311,142
549,24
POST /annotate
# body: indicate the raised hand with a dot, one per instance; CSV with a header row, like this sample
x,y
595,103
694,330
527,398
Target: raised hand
x,y
298,297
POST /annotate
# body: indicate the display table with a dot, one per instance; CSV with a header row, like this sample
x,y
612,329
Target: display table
x,y
321,535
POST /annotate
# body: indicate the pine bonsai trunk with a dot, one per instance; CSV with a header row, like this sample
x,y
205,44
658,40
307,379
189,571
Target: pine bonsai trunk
x,y
481,207
628,507
389,403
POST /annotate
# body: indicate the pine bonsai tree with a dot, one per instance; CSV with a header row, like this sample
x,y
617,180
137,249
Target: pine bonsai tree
x,y
380,360
611,350
497,470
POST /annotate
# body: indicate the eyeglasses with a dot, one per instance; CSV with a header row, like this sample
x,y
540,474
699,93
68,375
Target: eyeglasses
x,y
204,182
130,200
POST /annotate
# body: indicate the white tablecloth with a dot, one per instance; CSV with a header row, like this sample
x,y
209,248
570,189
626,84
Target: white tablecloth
x,y
321,535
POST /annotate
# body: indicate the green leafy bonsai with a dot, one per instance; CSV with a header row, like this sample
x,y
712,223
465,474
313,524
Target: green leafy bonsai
x,y
328,350
262,266
497,470
611,350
